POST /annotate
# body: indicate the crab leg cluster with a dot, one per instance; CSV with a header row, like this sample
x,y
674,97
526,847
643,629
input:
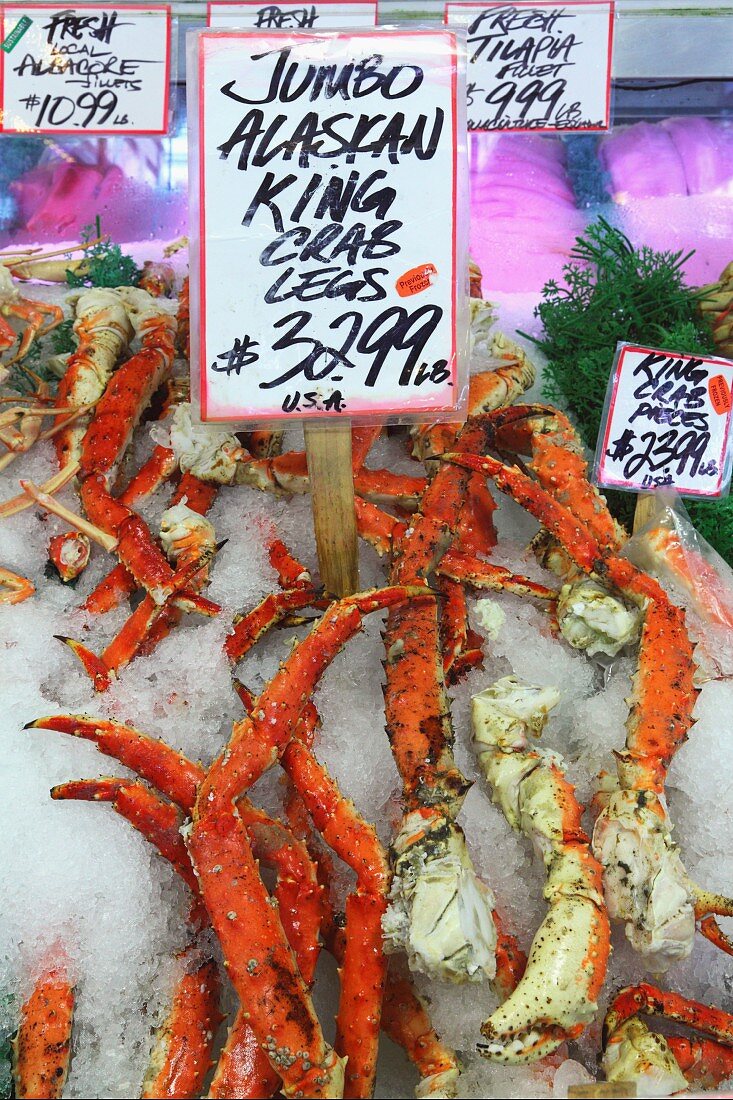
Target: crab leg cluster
x,y
646,885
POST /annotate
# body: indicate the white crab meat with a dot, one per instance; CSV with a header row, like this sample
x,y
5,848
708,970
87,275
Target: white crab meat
x,y
505,713
439,1086
637,1054
440,913
591,619
181,528
490,616
553,996
208,451
644,880
482,317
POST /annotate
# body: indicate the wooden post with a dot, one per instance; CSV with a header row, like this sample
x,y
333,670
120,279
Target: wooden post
x,y
605,1089
645,506
328,450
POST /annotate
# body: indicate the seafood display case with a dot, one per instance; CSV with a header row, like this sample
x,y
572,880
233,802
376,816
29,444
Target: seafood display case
x,y
220,875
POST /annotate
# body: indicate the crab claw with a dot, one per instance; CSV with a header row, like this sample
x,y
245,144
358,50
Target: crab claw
x,y
69,554
94,666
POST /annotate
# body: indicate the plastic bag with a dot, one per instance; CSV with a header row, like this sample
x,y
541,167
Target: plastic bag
x,y
672,550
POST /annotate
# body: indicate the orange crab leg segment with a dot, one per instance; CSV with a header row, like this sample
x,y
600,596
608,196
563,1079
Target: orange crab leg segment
x,y
651,1001
42,1046
704,1062
181,1056
158,821
249,628
14,588
463,567
167,770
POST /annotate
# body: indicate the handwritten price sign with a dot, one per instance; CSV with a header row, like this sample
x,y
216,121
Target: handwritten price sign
x,y
288,16
668,423
94,69
537,66
327,280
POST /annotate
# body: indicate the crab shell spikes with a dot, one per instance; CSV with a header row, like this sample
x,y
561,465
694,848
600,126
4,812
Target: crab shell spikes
x,y
440,913
567,963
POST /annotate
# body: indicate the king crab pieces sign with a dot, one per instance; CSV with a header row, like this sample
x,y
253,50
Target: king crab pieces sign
x,y
667,423
331,267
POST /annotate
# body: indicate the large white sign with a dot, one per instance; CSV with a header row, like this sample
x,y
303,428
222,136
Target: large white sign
x,y
88,69
292,15
535,65
667,423
328,188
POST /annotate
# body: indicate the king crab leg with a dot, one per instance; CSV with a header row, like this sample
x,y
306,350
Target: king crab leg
x,y
429,852
556,997
42,1046
122,403
181,1055
38,317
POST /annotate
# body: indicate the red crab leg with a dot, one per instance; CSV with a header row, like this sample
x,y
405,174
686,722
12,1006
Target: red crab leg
x,y
42,1046
14,588
103,331
137,629
363,970
158,821
378,528
460,566
290,572
559,463
250,933
651,1001
134,544
159,468
128,393
362,441
181,1056
249,628
119,583
167,770
453,621
705,1063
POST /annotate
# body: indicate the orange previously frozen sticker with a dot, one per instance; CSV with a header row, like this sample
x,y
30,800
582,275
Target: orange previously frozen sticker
x,y
719,394
415,280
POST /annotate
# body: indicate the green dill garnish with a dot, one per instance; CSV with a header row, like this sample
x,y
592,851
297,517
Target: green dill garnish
x,y
62,338
104,263
612,291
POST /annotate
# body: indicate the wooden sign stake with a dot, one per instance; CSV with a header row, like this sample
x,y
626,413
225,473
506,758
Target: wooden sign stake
x,y
328,450
645,505
605,1089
